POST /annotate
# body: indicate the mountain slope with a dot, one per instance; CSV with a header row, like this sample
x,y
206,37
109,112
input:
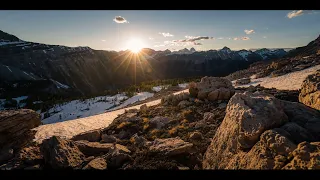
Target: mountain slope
x,y
312,48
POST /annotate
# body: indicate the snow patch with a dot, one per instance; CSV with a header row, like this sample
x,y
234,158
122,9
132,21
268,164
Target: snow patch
x,y
68,129
60,85
8,68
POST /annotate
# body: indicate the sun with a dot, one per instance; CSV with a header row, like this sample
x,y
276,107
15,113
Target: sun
x,y
135,45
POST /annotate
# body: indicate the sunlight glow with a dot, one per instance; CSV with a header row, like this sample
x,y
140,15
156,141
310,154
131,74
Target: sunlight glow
x,y
135,45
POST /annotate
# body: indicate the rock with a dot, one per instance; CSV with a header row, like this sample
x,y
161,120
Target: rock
x,y
306,156
138,140
92,136
96,148
175,99
34,167
310,91
170,146
194,136
15,130
60,153
297,133
97,164
184,104
200,124
212,88
116,159
208,116
183,168
108,138
242,81
123,135
262,132
248,115
159,122
143,108
131,110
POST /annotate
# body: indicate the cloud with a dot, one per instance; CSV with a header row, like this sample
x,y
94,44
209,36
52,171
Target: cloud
x,y
119,19
190,40
296,13
241,38
220,38
245,38
193,38
151,38
160,45
166,34
103,40
249,31
265,37
197,44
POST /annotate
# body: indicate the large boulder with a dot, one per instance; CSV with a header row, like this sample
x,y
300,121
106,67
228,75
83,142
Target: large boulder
x,y
15,130
59,153
212,88
261,132
170,146
174,99
310,91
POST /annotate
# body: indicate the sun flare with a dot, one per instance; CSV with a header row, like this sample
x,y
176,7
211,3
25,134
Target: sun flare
x,y
135,45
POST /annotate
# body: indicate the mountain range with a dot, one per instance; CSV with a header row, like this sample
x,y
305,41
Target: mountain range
x,y
36,67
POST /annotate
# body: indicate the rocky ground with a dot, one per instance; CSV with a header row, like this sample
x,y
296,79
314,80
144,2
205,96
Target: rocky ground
x,y
213,127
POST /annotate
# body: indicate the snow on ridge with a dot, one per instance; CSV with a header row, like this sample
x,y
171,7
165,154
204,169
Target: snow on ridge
x,y
290,81
8,68
183,85
60,85
29,75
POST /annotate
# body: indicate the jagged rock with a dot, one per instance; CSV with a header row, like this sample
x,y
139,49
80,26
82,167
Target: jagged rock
x,y
117,158
138,140
306,156
184,104
15,130
256,134
60,153
159,122
96,148
170,146
247,117
310,91
92,136
212,88
194,136
108,138
97,164
242,81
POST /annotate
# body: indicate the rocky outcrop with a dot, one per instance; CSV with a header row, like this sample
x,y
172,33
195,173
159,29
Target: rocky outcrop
x,y
159,122
261,132
92,136
212,88
174,99
60,153
15,130
310,91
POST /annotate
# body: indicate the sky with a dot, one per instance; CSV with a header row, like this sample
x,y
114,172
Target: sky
x,y
165,29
